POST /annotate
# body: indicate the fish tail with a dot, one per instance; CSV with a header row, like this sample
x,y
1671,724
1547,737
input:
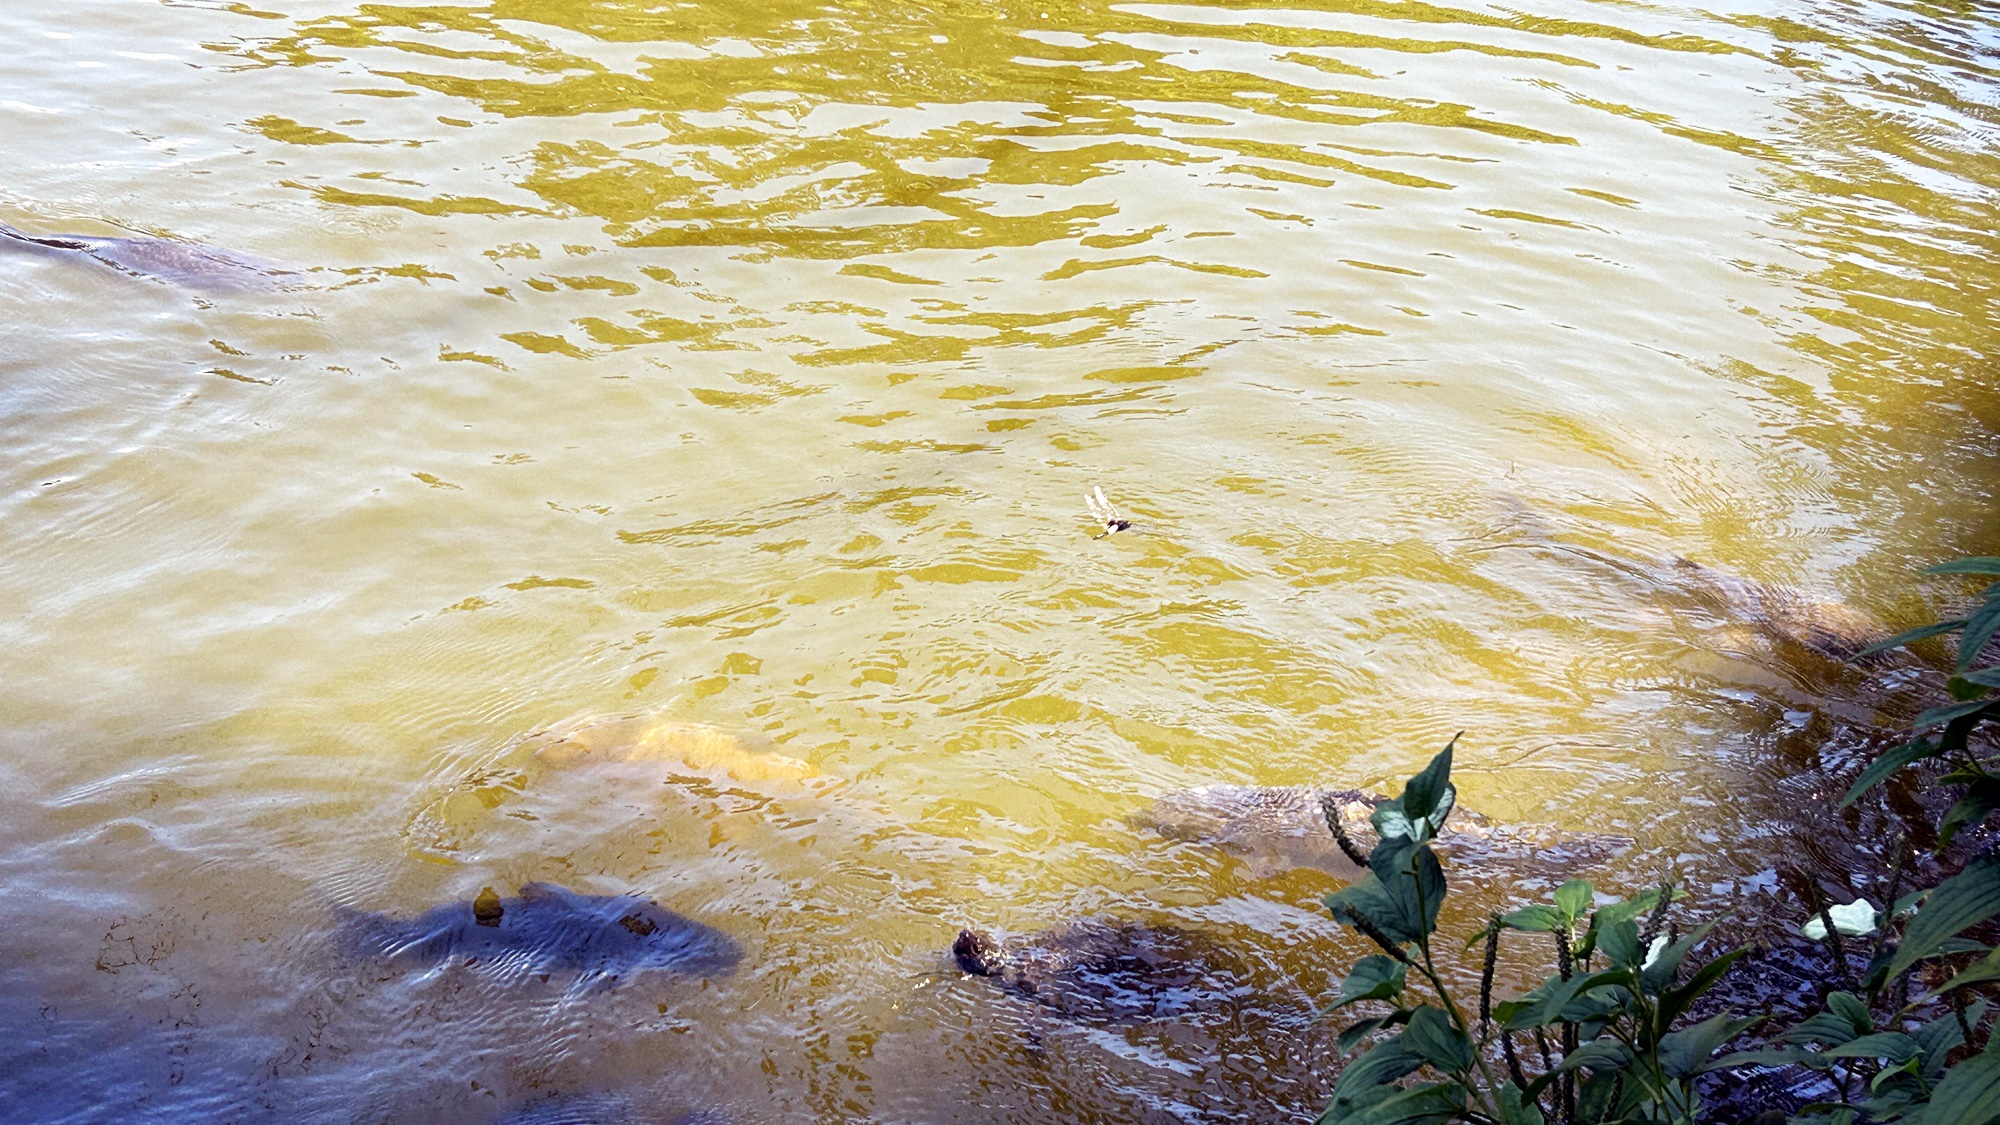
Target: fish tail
x,y
55,243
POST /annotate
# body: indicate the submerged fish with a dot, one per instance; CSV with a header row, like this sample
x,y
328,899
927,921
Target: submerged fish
x,y
603,1109
1782,613
190,265
1276,829
644,738
550,929
1106,971
1790,617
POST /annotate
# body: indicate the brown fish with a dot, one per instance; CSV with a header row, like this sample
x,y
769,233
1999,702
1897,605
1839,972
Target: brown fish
x,y
1278,828
1101,970
190,265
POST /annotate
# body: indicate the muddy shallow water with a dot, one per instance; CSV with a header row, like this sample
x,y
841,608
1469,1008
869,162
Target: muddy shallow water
x,y
744,368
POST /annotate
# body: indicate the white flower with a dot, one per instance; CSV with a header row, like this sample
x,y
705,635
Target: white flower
x,y
1854,919
1653,951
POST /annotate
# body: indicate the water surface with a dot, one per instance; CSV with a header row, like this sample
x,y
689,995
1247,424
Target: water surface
x,y
747,365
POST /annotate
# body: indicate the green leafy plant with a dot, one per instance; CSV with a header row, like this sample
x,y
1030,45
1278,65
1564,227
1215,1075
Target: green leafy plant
x,y
1893,1054
1595,1043
1598,1042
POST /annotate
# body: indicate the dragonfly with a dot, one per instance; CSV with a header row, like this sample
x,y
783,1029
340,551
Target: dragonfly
x,y
1106,513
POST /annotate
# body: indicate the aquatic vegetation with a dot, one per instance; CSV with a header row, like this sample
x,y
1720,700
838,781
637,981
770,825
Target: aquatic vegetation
x,y
1607,1029
1603,1028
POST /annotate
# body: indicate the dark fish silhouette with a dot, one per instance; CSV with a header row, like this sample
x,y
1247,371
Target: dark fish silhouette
x,y
1790,617
1107,971
604,1109
549,929
189,265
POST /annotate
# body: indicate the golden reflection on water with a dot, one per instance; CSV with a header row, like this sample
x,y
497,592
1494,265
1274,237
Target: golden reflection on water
x,y
745,367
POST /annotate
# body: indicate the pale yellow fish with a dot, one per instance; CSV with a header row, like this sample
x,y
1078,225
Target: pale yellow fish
x,y
645,738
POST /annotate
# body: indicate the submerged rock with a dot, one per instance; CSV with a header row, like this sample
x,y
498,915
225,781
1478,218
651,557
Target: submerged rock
x,y
549,929
644,738
189,265
1107,971
1275,829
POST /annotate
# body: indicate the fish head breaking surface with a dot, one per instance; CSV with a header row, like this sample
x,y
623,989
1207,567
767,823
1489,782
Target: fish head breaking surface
x,y
1099,970
548,929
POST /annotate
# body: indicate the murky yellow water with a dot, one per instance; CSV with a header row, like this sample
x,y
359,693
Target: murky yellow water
x,y
746,365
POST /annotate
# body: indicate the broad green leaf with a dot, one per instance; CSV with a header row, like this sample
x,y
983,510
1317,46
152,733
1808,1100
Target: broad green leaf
x,y
1977,564
1969,1093
1674,1001
1604,1054
1891,760
1854,919
1432,1104
1768,1056
1430,789
1640,904
1372,899
1354,1033
1608,1097
1963,689
1937,716
1913,635
1852,1008
1536,919
1573,898
1965,899
1544,1003
1846,1018
1940,1036
1981,798
1516,1108
1979,972
1978,630
1432,1038
1893,1081
1620,942
1686,1052
1892,1045
1982,677
1375,977
1361,1082
1661,970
